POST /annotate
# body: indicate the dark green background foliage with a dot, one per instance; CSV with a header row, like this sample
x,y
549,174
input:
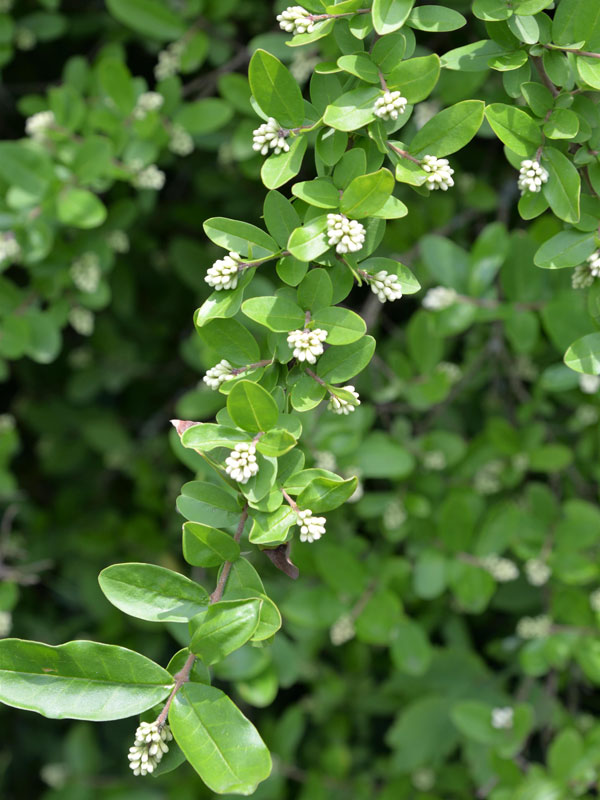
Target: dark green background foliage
x,y
473,439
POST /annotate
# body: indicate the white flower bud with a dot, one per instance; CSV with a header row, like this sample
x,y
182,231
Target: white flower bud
x,y
341,406
537,571
582,278
390,105
149,747
423,779
324,459
150,178
307,345
85,272
241,463
594,263
118,241
10,252
181,143
347,235
488,478
224,272
311,528
394,515
5,623
270,136
385,286
589,384
501,569
439,173
147,102
434,460
452,371
81,320
531,176
296,19
439,298
342,630
169,61
38,124
534,627
502,718
595,600
218,374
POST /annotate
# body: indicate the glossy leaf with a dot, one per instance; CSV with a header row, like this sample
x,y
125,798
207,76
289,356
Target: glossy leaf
x,y
251,407
204,546
223,628
275,90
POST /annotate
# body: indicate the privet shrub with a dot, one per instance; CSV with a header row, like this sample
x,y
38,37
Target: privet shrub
x,y
420,511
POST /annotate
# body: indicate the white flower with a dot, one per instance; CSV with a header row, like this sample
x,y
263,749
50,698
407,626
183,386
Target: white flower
x,y
589,384
390,105
342,630
501,569
296,19
502,718
311,528
440,173
6,6
38,124
149,747
341,406
531,176
488,479
452,371
423,779
439,298
394,515
147,102
81,320
308,345
5,623
224,272
324,459
594,263
7,422
169,61
537,571
270,136
581,278
347,235
9,248
85,272
218,374
150,178
25,39
241,464
385,286
595,600
534,627
180,143
434,460
118,241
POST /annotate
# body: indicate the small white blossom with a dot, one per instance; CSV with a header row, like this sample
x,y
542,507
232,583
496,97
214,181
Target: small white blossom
x,y
341,406
581,277
390,105
501,569
423,779
520,461
147,102
394,515
9,249
347,235
7,422
25,39
5,623
452,371
38,124
224,272
6,6
303,65
218,374
180,143
424,112
487,479
149,747
342,630
359,492
81,320
324,459
439,298
151,177
385,286
537,571
55,775
434,460
270,136
531,176
118,241
169,61
502,718
594,263
241,462
589,384
307,345
85,272
534,627
585,416
595,600
296,19
439,173
311,528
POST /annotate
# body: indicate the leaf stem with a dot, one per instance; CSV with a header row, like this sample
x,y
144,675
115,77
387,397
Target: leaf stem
x,y
266,362
404,153
315,377
585,53
292,504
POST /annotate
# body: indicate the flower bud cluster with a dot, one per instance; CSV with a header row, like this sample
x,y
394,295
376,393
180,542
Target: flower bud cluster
x,y
385,286
307,345
241,463
81,320
311,527
423,779
149,747
151,177
118,241
224,272
503,718
9,249
531,176
534,627
488,478
439,298
180,143
439,173
394,515
347,235
218,374
584,275
342,630
501,569
390,105
537,571
434,460
270,136
169,61
147,102
589,384
340,405
85,272
38,124
296,19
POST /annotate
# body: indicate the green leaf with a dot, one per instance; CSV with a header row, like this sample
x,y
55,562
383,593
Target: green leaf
x,y
272,528
389,15
584,355
205,502
561,124
307,393
353,109
576,21
342,325
338,364
435,18
359,64
149,17
229,339
416,77
204,546
309,242
220,305
366,194
28,169
407,280
241,237
565,249
153,593
315,291
472,57
449,130
563,189
515,128
223,628
80,208
280,217
589,71
115,80
275,90
276,442
410,650
222,746
319,192
79,680
276,313
206,436
280,168
251,407
381,457
324,494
